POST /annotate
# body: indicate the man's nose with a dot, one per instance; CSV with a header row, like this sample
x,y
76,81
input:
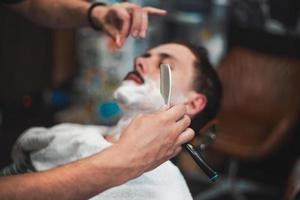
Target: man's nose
x,y
140,66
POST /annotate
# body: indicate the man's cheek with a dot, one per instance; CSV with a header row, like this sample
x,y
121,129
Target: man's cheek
x,y
178,93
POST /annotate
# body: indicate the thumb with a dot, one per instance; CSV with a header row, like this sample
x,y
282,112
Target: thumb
x,y
164,108
115,36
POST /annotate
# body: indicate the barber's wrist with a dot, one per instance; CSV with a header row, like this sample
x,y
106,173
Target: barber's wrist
x,y
117,160
95,15
130,162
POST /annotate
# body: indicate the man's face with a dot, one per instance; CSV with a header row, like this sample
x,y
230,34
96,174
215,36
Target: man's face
x,y
146,77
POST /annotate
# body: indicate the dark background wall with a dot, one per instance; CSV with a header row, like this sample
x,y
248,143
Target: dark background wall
x,y
35,62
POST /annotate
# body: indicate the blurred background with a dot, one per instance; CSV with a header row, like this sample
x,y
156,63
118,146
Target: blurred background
x,y
53,76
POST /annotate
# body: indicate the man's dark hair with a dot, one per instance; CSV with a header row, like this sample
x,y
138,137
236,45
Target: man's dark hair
x,y
206,82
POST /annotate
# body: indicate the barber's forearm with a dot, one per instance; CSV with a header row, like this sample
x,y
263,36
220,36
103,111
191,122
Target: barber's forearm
x,y
79,180
55,13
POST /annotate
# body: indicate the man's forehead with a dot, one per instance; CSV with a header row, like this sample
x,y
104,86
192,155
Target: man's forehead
x,y
175,50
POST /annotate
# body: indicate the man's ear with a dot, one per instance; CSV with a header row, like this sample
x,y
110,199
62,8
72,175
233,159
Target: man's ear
x,y
196,103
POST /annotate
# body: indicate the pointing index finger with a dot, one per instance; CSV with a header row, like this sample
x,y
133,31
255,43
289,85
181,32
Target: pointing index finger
x,y
155,11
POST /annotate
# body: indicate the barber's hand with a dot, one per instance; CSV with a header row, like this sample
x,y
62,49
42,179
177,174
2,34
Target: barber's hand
x,y
152,139
123,19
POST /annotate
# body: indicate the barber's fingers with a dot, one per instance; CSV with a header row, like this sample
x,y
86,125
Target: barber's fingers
x,y
124,32
185,137
139,18
144,26
145,20
176,112
137,21
177,151
164,108
129,19
117,25
118,21
173,153
155,11
182,124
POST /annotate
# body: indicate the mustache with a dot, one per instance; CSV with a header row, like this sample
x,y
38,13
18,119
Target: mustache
x,y
137,74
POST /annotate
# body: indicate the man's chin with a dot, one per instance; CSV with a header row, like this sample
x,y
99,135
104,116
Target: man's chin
x,y
138,98
126,95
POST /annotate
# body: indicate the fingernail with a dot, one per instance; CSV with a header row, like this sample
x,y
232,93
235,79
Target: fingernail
x,y
118,39
135,33
143,34
192,133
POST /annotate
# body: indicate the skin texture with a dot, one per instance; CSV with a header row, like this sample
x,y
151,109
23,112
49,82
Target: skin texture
x,y
118,20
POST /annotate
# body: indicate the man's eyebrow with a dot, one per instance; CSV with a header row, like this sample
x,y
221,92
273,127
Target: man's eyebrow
x,y
161,55
146,55
166,55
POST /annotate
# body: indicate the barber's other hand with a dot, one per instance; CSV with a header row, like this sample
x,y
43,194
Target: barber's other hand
x,y
123,19
152,139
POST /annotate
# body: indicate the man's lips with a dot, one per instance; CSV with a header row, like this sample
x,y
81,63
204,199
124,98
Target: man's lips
x,y
134,76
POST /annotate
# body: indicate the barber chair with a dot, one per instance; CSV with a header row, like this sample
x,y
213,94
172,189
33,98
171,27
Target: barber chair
x,y
259,112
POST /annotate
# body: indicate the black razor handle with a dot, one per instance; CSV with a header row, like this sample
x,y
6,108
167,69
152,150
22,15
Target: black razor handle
x,y
198,158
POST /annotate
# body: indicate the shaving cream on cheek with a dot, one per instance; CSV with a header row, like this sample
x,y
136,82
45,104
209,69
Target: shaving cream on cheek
x,y
133,97
177,96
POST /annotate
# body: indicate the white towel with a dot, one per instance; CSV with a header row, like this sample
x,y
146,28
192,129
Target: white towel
x,y
64,143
